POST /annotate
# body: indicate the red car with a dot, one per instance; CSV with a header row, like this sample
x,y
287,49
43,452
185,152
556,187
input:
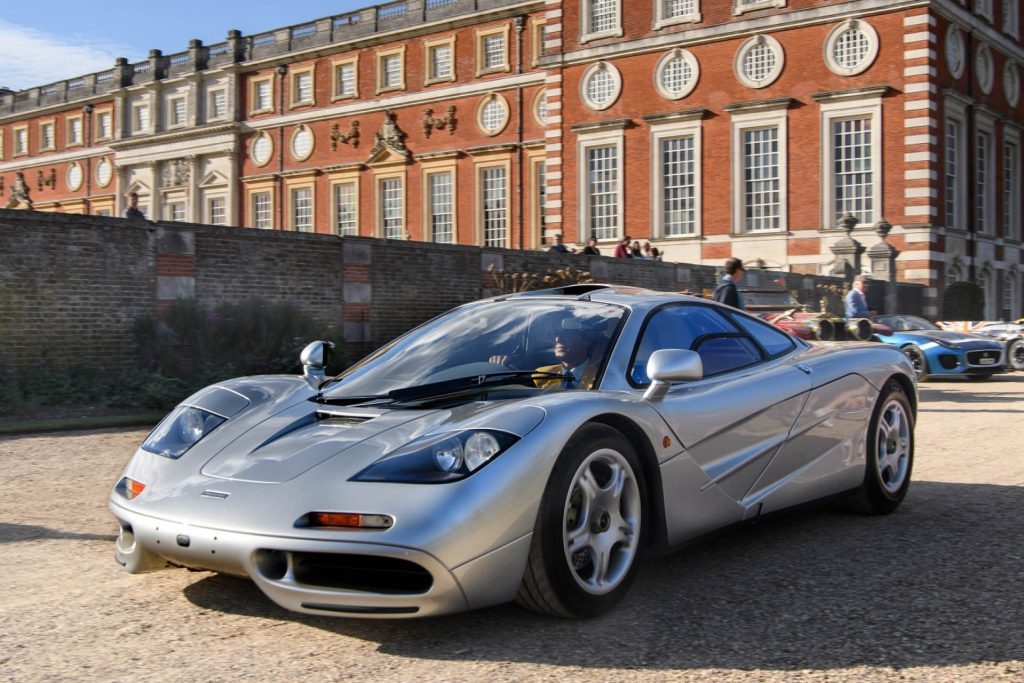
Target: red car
x,y
781,309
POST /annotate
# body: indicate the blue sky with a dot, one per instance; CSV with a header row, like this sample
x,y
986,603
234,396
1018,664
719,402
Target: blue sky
x,y
59,39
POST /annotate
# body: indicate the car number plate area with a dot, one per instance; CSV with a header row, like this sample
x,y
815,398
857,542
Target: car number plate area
x,y
987,361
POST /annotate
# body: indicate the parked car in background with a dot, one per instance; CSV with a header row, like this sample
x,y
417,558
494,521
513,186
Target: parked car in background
x,y
1011,334
781,309
529,447
934,351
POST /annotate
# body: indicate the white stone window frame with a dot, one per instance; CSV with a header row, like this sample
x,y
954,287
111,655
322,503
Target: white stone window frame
x,y
334,186
1012,228
382,59
429,47
955,39
747,46
51,126
99,134
742,6
541,98
74,184
480,171
833,37
775,117
137,127
984,123
984,65
211,104
661,21
295,97
98,177
486,100
956,110
1011,82
850,109
77,140
667,131
208,208
19,141
481,57
2,141
171,111
254,100
336,67
983,8
1012,292
616,85
381,207
296,154
586,35
294,216
252,149
659,71
1011,17
585,141
254,197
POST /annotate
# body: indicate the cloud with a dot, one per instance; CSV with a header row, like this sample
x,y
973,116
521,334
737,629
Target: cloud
x,y
29,57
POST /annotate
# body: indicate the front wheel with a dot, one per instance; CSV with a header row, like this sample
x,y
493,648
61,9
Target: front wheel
x,y
590,528
916,357
1015,354
890,453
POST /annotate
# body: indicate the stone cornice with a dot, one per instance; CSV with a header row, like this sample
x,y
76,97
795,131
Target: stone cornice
x,y
867,92
760,105
677,116
595,126
190,133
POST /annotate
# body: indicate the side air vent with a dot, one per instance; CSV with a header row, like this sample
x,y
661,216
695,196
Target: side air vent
x,y
338,419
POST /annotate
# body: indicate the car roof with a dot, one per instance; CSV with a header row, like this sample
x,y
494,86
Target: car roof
x,y
633,297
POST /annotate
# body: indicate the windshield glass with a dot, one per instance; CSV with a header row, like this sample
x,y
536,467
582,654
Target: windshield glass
x,y
497,336
905,323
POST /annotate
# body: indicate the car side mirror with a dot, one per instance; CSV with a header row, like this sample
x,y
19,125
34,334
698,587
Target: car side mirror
x,y
314,358
671,365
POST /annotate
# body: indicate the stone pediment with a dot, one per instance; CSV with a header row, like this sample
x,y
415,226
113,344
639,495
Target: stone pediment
x,y
390,144
213,179
137,187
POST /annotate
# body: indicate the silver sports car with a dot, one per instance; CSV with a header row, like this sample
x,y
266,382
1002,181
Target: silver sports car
x,y
529,447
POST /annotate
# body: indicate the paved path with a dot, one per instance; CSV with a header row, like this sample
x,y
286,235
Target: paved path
x,y
932,592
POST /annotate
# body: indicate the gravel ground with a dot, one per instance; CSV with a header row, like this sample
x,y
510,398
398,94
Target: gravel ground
x,y
933,592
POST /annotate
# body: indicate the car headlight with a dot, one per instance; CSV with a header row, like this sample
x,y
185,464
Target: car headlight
x,y
181,430
439,458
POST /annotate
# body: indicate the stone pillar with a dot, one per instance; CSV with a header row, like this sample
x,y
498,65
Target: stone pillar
x,y
155,205
236,46
195,195
847,251
883,266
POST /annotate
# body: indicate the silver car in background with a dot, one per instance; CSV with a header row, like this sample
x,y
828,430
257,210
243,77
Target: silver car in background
x,y
529,447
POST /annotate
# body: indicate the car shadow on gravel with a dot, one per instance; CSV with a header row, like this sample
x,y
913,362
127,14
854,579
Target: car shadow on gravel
x,y
939,582
16,533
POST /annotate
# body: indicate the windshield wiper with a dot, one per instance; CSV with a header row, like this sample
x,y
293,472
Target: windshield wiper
x,y
492,379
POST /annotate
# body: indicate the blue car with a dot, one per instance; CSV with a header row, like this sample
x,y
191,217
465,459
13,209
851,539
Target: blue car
x,y
934,351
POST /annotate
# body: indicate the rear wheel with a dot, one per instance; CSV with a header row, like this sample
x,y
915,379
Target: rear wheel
x,y
1015,354
890,453
590,528
917,359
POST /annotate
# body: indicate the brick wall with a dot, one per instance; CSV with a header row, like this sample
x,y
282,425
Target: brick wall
x,y
71,286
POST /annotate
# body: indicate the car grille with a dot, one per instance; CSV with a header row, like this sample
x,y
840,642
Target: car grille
x,y
976,357
369,573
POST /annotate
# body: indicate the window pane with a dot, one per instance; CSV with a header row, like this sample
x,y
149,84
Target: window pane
x,y
441,61
440,185
494,207
983,153
676,327
218,213
723,354
302,209
679,8
852,174
218,104
603,191
494,51
952,170
261,209
392,214
761,180
345,205
603,15
678,187
774,341
347,79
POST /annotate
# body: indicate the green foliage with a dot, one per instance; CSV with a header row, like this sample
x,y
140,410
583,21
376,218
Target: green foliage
x,y
188,348
963,301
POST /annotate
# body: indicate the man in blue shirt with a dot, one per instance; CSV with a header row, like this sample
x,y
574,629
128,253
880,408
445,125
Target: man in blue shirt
x,y
856,301
727,293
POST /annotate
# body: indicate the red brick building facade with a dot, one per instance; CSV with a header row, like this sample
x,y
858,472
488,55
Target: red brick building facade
x,y
709,128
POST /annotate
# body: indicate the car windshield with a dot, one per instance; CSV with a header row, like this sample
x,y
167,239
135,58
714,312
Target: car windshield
x,y
906,323
489,338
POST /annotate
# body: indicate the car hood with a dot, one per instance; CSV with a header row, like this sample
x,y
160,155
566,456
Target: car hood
x,y
305,434
948,337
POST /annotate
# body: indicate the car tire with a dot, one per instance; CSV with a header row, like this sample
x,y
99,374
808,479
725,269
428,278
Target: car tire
x,y
590,528
890,454
917,359
1015,354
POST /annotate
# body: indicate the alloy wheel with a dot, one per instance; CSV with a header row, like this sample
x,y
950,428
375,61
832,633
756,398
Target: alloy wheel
x,y
893,446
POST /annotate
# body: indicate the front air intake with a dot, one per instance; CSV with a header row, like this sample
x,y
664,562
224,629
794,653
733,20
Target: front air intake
x,y
368,573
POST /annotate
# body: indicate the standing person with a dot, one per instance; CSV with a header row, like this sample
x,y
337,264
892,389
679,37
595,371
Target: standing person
x,y
647,252
132,210
622,248
727,293
591,248
856,301
634,251
655,254
559,246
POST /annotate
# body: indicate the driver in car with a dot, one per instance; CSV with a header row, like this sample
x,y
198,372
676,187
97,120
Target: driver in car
x,y
575,361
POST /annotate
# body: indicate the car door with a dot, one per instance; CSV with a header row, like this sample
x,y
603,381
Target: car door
x,y
734,420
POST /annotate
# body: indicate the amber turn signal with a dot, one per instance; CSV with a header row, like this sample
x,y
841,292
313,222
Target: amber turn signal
x,y
349,520
133,488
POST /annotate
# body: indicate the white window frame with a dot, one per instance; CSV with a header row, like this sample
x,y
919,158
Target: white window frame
x,y
870,35
750,44
78,139
778,118
137,125
668,131
428,177
99,172
984,68
585,142
254,199
983,8
104,132
1011,207
270,149
955,112
586,9
47,129
1011,17
255,105
1011,82
336,187
336,91
293,208
482,67
380,199
383,57
955,41
849,109
19,140
74,177
742,6
173,102
506,198
211,205
429,49
484,102
659,70
984,124
303,129
177,210
211,104
616,85
297,98
661,20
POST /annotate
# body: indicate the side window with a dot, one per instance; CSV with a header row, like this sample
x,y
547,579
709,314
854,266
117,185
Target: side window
x,y
722,354
775,341
676,327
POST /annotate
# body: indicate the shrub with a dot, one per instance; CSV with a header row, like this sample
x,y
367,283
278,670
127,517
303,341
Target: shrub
x,y
963,301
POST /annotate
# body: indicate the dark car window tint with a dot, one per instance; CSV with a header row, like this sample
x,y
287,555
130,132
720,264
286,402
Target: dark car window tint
x,y
775,342
722,354
676,327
